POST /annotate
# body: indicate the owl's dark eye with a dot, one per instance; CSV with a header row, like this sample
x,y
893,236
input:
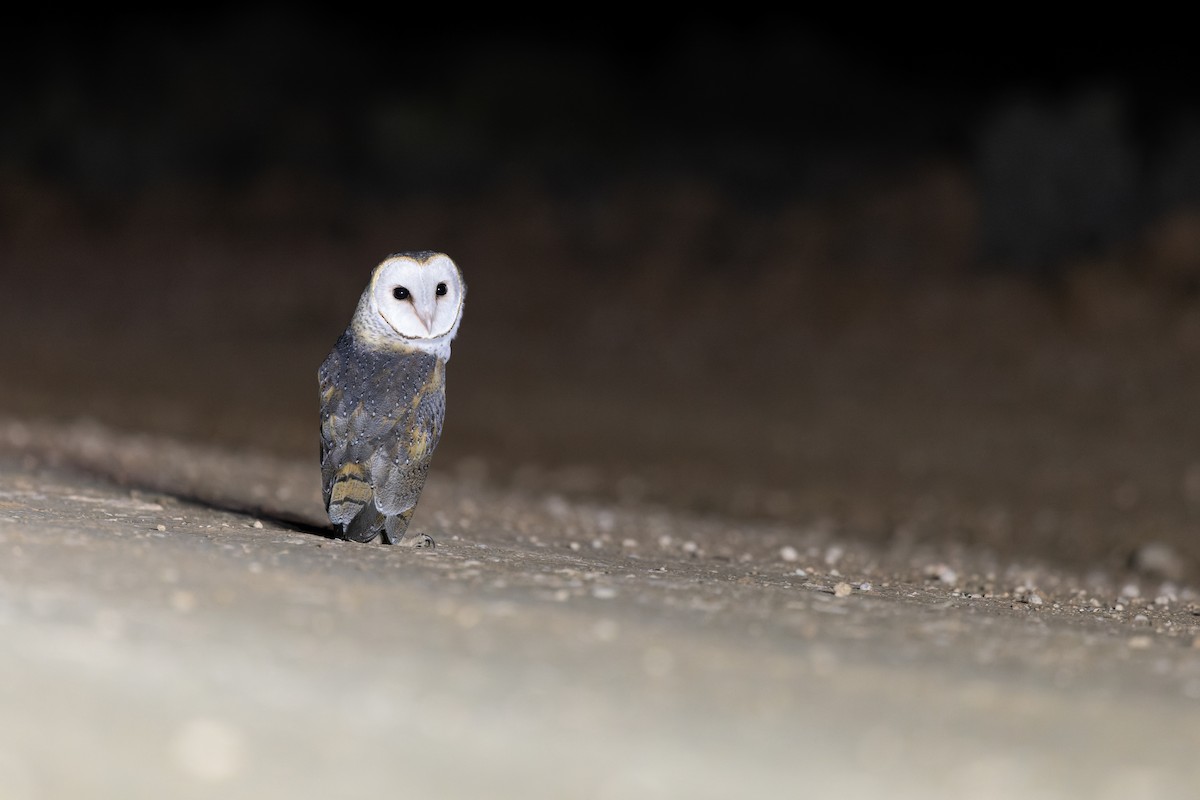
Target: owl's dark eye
x,y
441,289
400,293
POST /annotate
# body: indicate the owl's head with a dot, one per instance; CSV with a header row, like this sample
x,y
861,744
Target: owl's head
x,y
414,300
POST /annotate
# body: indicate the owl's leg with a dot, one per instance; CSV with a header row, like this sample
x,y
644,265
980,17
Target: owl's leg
x,y
395,526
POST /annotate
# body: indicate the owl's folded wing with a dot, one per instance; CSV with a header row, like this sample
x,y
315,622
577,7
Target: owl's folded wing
x,y
400,465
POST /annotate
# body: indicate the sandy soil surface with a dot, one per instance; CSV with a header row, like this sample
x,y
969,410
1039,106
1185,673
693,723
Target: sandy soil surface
x,y
161,640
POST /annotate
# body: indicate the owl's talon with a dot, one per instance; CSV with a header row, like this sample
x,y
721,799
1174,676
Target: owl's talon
x,y
419,540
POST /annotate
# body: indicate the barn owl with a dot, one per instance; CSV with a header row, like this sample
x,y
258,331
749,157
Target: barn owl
x,y
383,396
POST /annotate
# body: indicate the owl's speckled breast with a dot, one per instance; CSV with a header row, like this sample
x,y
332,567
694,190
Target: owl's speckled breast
x,y
386,376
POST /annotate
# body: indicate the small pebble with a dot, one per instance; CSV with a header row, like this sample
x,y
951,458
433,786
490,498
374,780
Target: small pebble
x,y
160,528
1158,558
789,553
842,590
257,524
865,586
658,662
468,616
942,572
183,601
606,630
209,749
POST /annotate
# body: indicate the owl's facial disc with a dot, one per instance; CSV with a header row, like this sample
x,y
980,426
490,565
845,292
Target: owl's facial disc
x,y
419,299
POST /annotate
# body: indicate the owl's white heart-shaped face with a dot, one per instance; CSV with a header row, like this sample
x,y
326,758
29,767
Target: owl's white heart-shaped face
x,y
420,296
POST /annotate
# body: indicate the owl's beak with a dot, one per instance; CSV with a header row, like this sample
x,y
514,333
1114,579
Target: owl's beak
x,y
426,317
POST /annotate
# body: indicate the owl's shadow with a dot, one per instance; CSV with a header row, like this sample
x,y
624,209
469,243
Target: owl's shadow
x,y
296,523
216,480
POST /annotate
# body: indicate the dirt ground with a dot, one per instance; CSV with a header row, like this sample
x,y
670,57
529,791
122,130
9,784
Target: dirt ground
x,y
160,643
723,508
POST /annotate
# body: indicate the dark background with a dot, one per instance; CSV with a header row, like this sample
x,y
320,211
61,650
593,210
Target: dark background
x,y
927,278
771,107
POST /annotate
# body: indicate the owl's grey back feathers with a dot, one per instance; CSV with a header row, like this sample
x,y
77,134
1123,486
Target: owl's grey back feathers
x,y
381,418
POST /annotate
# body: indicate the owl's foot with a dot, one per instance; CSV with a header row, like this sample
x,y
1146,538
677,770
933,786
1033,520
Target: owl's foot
x,y
396,526
417,540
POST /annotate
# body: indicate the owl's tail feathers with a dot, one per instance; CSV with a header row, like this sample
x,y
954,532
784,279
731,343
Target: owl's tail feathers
x,y
351,504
